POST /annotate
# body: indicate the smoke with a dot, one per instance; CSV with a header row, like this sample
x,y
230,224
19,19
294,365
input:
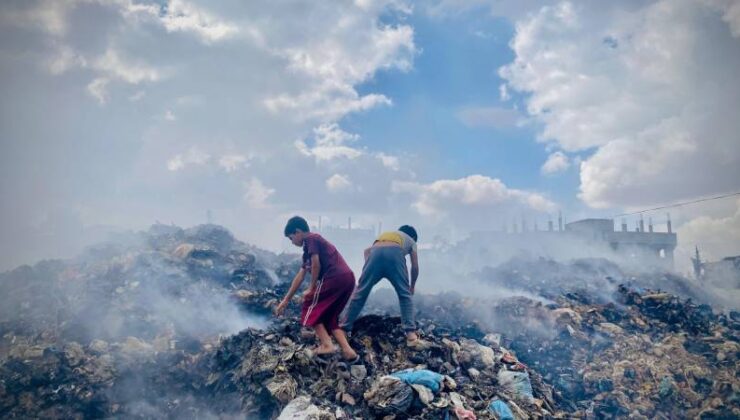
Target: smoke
x,y
139,287
486,279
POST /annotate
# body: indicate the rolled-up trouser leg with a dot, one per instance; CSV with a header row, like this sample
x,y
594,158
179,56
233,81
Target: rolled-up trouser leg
x,y
371,274
398,275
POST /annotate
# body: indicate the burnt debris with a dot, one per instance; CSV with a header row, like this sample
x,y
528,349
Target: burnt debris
x,y
175,324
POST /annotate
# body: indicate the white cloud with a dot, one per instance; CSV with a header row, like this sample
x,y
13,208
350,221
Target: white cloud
x,y
110,66
503,92
556,162
488,117
389,161
66,59
476,195
330,142
193,156
97,88
337,183
646,89
730,13
512,9
324,103
256,193
232,162
359,45
186,17
116,67
716,237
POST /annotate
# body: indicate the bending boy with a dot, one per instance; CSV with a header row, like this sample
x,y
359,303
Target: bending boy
x,y
386,258
331,286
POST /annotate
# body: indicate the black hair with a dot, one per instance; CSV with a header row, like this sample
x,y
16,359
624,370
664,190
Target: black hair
x,y
295,223
409,230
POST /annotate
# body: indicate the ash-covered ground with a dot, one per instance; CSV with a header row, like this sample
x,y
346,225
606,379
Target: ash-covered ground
x,y
176,323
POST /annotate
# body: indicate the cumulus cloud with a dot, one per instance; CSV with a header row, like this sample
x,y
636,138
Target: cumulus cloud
x,y
647,89
183,16
65,58
97,89
389,161
338,182
330,142
360,45
232,162
194,156
512,9
716,236
256,193
470,199
556,162
115,66
109,66
730,10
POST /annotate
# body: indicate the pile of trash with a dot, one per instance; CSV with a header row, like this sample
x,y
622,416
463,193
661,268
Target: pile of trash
x,y
174,323
445,374
81,337
168,280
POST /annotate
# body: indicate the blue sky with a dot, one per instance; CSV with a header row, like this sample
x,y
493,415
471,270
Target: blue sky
x,y
457,67
120,113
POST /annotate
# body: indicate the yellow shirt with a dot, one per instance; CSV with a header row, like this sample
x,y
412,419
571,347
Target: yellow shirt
x,y
391,237
403,240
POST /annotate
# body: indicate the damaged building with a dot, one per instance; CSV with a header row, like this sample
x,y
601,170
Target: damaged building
x,y
649,247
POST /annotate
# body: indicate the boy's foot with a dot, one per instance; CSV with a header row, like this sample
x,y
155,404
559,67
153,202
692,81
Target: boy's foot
x,y
324,350
413,341
351,357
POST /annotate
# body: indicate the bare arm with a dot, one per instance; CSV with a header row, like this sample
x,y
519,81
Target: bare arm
x,y
297,280
414,269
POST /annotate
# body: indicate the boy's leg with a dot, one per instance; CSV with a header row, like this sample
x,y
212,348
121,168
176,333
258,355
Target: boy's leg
x,y
398,275
345,286
347,351
325,344
371,274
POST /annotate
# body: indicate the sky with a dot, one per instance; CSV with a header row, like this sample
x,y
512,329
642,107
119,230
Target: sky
x,y
451,115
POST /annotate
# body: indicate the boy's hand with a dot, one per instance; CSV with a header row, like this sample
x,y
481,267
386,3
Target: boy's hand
x,y
281,307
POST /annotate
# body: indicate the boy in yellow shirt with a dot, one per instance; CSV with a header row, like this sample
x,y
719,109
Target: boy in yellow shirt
x,y
386,258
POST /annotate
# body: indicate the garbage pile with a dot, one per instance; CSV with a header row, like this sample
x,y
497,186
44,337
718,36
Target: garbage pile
x,y
175,324
168,279
81,338
277,375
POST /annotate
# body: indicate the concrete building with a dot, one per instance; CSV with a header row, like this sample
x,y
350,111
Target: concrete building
x,y
580,239
650,246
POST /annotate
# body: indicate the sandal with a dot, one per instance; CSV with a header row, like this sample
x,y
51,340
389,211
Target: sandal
x,y
353,361
323,359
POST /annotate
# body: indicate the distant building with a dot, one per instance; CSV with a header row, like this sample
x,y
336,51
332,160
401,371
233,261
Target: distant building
x,y
726,269
651,245
580,239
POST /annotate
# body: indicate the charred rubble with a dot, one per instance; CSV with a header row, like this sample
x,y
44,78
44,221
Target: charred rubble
x,y
83,339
